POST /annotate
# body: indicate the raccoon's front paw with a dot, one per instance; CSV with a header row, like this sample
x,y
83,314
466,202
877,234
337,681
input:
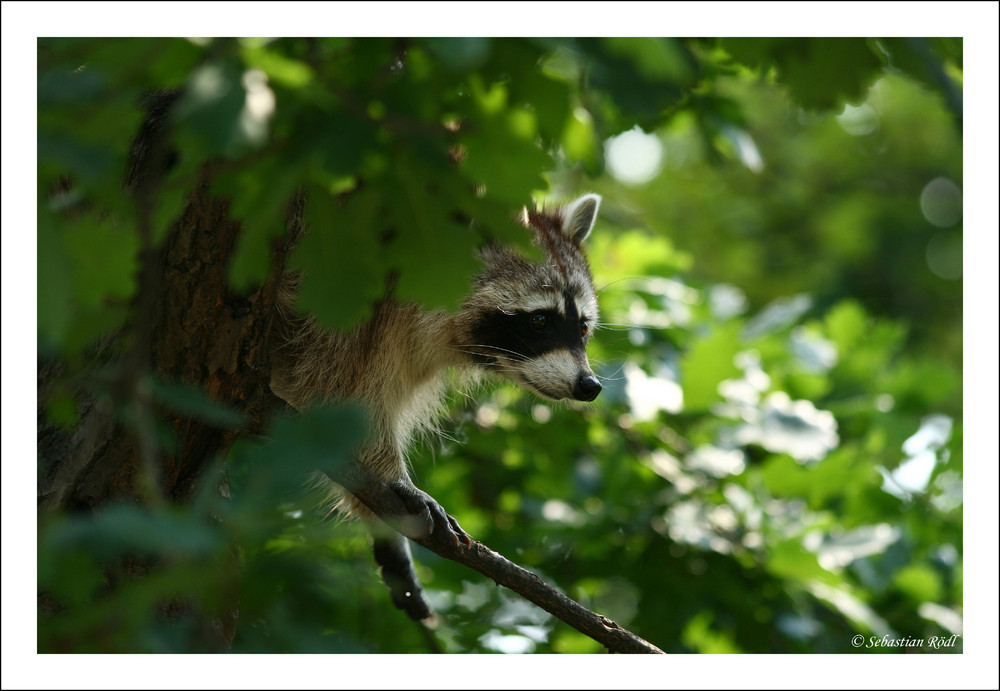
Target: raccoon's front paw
x,y
425,516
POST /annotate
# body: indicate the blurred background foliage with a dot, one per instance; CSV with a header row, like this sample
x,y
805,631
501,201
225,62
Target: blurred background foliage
x,y
775,464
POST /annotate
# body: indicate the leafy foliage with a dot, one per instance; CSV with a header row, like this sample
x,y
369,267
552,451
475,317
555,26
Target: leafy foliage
x,y
775,464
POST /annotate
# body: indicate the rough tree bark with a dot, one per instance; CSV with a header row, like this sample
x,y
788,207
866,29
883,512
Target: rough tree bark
x,y
197,332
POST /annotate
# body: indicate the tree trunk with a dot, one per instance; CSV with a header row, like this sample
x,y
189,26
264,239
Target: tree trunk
x,y
185,327
198,333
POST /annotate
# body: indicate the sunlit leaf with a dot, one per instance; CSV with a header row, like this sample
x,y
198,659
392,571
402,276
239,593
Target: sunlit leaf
x,y
503,159
700,636
919,582
292,73
579,137
708,362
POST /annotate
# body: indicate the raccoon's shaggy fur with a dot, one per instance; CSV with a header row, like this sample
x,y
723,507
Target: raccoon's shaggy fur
x,y
523,320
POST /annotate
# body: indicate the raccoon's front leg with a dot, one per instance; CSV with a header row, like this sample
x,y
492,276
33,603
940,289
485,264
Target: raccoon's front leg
x,y
416,514
425,516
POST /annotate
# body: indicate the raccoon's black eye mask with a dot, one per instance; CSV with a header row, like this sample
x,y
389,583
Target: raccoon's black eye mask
x,y
535,333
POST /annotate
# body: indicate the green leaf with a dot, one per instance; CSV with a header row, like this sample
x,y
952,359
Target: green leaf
x,y
104,257
336,141
845,324
821,73
55,285
790,560
699,636
61,409
842,474
281,69
68,573
707,362
88,160
494,219
784,477
121,528
655,59
208,113
549,99
923,59
502,154
69,84
579,138
635,252
919,582
261,196
317,439
342,274
642,77
460,54
86,275
429,236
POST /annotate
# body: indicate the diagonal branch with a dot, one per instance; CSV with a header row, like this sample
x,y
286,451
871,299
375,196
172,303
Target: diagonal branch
x,y
385,504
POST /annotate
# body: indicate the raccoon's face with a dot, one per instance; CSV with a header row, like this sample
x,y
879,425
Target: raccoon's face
x,y
532,321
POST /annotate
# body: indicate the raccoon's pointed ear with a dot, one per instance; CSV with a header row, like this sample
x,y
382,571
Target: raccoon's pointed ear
x,y
578,217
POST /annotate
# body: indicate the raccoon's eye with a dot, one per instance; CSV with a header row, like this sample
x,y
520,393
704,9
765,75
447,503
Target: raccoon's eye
x,y
584,328
539,322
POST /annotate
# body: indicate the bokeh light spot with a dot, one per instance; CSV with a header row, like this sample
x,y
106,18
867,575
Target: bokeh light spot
x,y
634,157
859,121
944,255
941,202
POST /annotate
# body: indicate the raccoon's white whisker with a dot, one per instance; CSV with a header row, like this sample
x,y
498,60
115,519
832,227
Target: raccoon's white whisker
x,y
613,375
480,364
610,377
491,347
611,283
494,366
508,353
616,375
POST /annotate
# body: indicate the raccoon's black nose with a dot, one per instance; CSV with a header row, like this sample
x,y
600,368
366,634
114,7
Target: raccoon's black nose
x,y
587,388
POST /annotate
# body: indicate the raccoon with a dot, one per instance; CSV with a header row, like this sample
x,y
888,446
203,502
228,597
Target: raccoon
x,y
525,321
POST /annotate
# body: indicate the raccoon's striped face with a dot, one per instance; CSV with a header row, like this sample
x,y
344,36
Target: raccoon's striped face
x,y
534,320
543,347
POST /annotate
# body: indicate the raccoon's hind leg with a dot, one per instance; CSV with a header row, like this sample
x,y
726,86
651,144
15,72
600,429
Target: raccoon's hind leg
x,y
392,554
407,509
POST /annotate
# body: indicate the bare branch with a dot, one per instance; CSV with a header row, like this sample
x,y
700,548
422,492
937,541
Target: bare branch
x,y
385,504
